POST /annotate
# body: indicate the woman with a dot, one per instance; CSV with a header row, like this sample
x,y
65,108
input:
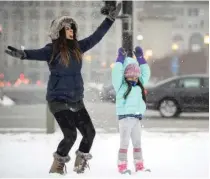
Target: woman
x,y
65,89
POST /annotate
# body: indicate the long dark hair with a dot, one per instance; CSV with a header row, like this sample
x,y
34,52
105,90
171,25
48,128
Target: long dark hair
x,y
130,87
61,45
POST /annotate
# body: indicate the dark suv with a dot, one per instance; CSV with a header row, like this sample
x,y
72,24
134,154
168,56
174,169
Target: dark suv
x,y
189,93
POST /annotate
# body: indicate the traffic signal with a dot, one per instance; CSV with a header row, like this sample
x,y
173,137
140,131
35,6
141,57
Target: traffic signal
x,y
108,4
0,30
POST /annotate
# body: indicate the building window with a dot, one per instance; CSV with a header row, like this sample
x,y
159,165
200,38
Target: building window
x,y
65,12
31,3
18,14
80,4
195,26
5,37
80,15
5,25
202,12
96,3
4,14
34,15
180,11
202,24
95,15
16,26
83,4
49,14
193,12
15,3
33,25
49,3
65,4
178,26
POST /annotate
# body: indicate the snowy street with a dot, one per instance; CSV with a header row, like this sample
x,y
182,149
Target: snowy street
x,y
31,118
167,155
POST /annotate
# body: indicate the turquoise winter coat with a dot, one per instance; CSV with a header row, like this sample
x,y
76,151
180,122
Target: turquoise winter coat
x,y
134,103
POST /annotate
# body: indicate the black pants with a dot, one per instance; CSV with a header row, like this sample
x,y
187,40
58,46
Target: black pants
x,y
70,121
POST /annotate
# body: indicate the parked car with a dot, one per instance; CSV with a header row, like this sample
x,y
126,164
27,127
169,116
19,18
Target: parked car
x,y
5,100
108,94
189,93
26,94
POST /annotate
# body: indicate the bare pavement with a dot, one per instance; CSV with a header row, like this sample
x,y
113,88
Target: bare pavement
x,y
32,118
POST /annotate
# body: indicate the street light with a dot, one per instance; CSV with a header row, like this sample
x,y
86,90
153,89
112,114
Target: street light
x,y
206,39
88,58
103,64
112,65
0,30
148,54
175,59
140,37
175,47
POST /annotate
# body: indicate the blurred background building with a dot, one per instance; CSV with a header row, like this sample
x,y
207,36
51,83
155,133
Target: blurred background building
x,y
165,30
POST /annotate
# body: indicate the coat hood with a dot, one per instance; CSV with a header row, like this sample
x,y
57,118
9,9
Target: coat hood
x,y
58,23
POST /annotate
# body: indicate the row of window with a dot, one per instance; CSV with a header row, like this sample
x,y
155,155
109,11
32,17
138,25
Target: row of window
x,y
71,4
49,14
175,11
190,25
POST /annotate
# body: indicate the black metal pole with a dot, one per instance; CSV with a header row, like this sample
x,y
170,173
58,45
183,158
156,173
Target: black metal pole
x,y
127,27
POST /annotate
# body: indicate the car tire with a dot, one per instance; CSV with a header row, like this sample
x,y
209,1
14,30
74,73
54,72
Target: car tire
x,y
169,108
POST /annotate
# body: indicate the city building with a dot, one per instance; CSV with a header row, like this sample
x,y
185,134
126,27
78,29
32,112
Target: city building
x,y
159,26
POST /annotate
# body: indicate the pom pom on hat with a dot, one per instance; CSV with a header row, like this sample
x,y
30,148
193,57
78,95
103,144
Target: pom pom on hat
x,y
132,71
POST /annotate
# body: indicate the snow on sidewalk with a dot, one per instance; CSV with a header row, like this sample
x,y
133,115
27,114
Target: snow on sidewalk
x,y
167,155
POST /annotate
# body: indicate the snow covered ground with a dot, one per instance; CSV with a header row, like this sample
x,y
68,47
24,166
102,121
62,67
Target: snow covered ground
x,y
166,154
6,101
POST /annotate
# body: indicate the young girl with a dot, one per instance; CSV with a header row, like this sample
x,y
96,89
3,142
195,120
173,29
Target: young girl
x,y
128,77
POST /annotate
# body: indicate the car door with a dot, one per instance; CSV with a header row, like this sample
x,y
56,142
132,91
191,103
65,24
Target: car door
x,y
205,94
190,93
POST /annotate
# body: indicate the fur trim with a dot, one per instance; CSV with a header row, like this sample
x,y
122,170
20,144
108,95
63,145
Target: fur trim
x,y
86,156
60,158
58,24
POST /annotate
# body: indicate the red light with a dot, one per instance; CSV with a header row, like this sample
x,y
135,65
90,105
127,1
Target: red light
x,y
1,75
22,76
9,84
146,92
38,82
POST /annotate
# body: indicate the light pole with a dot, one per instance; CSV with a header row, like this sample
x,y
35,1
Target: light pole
x,y
127,23
175,60
88,59
206,50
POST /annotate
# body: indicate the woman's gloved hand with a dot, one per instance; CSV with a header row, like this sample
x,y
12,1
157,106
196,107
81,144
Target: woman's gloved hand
x,y
114,12
15,52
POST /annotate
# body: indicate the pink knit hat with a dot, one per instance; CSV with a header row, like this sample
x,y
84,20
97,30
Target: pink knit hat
x,y
132,71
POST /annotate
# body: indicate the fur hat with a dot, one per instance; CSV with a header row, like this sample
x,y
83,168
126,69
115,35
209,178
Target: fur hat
x,y
58,23
132,71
